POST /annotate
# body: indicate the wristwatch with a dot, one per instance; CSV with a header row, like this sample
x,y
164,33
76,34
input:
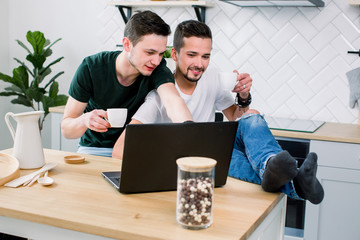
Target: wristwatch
x,y
242,103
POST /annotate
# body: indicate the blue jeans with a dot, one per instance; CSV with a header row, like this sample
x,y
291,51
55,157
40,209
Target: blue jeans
x,y
99,151
254,145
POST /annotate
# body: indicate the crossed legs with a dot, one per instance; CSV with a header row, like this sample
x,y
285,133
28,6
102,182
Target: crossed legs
x,y
258,158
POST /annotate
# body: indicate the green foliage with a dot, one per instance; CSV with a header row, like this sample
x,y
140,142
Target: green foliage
x,y
32,93
167,53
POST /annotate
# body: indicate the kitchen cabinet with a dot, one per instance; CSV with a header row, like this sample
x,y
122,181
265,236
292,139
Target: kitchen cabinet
x,y
337,217
58,141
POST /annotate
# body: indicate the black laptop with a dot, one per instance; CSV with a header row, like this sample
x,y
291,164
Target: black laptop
x,y
151,151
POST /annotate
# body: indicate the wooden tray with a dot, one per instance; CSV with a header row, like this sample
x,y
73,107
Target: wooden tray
x,y
9,168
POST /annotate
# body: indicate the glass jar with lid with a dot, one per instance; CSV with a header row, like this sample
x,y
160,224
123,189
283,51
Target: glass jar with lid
x,y
195,187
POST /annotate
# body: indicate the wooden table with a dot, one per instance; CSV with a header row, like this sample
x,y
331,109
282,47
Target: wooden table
x,y
83,205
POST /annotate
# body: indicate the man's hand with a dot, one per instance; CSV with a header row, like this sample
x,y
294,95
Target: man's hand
x,y
96,120
75,123
244,84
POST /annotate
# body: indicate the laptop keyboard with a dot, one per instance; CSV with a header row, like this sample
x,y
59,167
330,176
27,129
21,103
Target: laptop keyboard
x,y
116,180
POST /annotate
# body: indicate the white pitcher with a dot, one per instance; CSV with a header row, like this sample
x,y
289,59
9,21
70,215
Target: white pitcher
x,y
27,140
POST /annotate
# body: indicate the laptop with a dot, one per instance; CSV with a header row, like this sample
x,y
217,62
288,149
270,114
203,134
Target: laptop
x,y
151,151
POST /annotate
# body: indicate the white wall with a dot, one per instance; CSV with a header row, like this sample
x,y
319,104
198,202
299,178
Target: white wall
x,y
5,140
76,22
296,56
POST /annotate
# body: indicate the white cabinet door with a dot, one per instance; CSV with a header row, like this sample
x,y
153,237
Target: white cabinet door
x,y
338,216
58,141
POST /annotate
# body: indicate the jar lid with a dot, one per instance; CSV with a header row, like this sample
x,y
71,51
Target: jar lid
x,y
196,164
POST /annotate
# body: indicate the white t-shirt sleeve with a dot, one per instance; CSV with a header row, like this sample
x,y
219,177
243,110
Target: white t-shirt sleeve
x,y
224,100
149,111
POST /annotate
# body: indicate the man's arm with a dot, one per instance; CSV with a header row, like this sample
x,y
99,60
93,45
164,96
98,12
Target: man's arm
x,y
75,123
175,106
118,149
234,112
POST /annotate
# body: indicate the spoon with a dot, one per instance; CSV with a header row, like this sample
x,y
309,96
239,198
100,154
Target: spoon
x,y
45,180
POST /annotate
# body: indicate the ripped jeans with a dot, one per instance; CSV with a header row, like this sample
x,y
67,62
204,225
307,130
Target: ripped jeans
x,y
254,145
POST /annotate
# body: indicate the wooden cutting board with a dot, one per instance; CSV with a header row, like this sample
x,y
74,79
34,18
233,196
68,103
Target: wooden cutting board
x,y
9,168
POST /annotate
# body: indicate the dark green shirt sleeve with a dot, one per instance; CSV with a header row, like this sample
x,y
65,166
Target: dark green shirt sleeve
x,y
80,87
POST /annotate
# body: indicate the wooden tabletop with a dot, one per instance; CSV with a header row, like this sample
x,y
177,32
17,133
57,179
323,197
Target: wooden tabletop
x,y
82,200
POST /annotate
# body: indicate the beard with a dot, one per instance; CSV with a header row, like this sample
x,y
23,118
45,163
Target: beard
x,y
195,78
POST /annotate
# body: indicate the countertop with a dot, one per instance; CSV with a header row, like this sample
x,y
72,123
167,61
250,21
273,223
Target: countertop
x,y
82,200
336,132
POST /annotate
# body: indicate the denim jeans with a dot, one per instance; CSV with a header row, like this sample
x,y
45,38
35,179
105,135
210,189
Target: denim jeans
x,y
254,145
99,151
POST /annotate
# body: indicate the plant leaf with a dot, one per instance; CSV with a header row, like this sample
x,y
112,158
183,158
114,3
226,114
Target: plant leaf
x,y
6,78
23,64
48,49
7,94
43,74
23,45
35,93
21,78
37,40
54,89
55,42
47,52
167,53
52,63
37,60
47,102
14,88
60,100
53,79
22,100
47,42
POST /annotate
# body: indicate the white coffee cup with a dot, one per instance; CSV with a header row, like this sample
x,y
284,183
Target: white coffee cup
x,y
117,117
227,80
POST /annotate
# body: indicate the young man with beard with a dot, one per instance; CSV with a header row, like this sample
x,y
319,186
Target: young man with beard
x,y
257,157
121,80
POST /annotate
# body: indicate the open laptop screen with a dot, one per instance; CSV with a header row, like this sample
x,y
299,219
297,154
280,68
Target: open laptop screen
x,y
151,151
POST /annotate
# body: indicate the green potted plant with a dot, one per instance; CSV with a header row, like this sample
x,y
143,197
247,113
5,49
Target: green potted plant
x,y
31,93
170,63
167,53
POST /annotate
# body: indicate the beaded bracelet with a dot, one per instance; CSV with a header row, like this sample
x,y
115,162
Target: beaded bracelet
x,y
242,103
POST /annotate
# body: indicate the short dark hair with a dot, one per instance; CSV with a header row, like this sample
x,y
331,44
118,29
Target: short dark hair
x,y
190,28
143,23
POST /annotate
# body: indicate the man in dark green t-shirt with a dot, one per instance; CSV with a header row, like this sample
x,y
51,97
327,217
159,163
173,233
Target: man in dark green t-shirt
x,y
121,80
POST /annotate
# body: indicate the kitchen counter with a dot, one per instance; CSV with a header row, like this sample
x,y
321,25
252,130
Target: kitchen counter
x,y
336,132
333,132
84,203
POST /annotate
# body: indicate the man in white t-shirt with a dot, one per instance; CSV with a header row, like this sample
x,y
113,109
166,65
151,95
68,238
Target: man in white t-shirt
x,y
257,157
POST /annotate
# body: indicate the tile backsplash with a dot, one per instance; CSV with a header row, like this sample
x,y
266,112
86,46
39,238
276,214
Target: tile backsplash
x,y
297,56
